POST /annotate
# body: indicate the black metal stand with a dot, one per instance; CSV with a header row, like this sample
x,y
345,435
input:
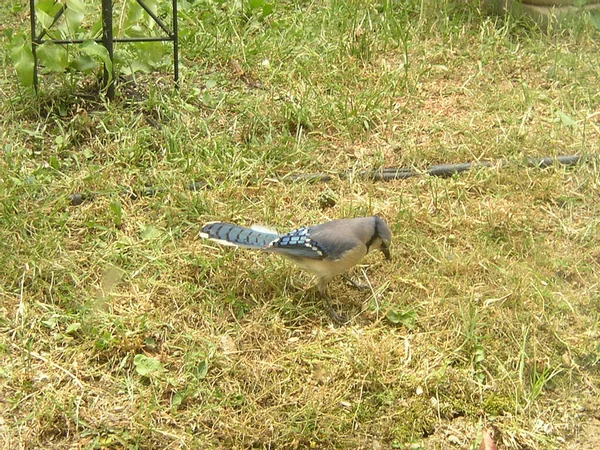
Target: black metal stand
x,y
107,39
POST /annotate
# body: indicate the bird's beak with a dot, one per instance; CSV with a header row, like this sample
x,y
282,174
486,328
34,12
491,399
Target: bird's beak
x,y
386,252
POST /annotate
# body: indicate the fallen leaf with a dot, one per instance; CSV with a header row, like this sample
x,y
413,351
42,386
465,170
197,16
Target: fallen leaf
x,y
487,443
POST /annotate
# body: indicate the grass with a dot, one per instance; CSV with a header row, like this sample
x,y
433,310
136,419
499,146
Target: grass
x,y
119,329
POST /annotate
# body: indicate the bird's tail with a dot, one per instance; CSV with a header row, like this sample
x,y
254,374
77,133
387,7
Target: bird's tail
x,y
237,236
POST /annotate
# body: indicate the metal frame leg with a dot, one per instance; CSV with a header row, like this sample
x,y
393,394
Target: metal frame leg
x,y
107,40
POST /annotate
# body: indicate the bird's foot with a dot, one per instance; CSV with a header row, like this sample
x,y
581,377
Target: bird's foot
x,y
336,316
355,284
332,313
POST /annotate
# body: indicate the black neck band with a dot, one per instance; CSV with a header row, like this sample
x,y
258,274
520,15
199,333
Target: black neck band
x,y
375,236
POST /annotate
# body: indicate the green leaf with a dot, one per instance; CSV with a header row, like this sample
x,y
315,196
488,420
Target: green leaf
x,y
45,19
147,366
150,53
178,399
92,48
149,232
53,56
50,7
83,63
74,327
566,120
54,160
406,318
595,18
137,18
134,65
478,354
74,15
103,342
206,98
76,6
185,4
51,322
22,58
88,153
256,4
201,370
134,15
46,10
117,210
267,9
95,29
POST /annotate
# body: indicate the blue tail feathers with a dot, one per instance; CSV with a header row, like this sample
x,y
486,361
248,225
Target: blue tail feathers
x,y
235,235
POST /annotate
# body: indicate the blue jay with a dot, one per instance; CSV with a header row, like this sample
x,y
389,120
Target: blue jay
x,y
325,250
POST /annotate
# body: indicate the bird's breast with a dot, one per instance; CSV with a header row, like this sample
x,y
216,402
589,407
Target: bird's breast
x,y
329,268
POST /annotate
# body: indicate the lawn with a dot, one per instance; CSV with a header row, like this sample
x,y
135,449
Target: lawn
x,y
119,328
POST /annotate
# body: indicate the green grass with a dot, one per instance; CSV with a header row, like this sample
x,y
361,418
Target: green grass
x,y
120,329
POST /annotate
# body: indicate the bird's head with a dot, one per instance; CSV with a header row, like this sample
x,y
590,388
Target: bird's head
x,y
382,237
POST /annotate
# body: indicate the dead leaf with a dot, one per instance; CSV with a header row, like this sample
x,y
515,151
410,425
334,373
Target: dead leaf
x,y
487,443
237,67
228,345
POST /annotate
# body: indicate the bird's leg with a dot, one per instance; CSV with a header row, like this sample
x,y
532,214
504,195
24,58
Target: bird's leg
x,y
356,284
333,314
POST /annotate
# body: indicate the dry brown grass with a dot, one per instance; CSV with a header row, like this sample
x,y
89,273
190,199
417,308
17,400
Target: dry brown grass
x,y
492,294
